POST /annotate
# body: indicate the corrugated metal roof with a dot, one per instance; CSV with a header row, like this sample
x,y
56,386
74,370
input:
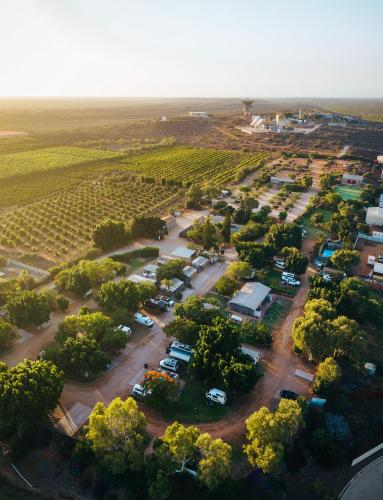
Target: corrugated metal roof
x,y
251,295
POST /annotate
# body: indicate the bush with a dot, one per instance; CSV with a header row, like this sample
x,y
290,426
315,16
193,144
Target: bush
x,y
256,332
226,286
140,253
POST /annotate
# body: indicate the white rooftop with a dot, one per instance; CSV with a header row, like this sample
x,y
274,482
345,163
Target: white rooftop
x,y
183,252
375,211
251,295
378,268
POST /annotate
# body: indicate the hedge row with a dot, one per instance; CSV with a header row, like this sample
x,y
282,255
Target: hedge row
x,y
137,254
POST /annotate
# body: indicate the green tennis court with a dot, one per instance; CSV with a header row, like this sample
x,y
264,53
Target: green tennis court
x,y
349,193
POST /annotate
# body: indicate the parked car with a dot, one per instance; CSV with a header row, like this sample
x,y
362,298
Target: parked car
x,y
287,275
291,281
217,396
170,374
168,301
169,364
236,319
288,394
140,391
125,329
156,304
143,320
183,347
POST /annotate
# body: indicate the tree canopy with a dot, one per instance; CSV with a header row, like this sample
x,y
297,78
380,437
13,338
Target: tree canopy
x,y
328,374
183,329
268,432
109,234
295,261
7,335
284,235
345,260
28,308
117,435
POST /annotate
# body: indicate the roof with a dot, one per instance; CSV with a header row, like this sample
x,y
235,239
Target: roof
x,y
183,252
135,278
189,271
375,211
251,295
169,218
378,268
200,261
352,176
151,268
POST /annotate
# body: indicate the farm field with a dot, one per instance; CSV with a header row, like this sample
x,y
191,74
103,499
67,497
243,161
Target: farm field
x,y
52,214
40,160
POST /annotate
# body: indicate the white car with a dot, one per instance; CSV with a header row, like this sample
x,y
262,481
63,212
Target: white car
x,y
143,320
140,391
183,347
172,375
217,396
286,275
169,302
236,319
291,281
279,264
125,329
169,364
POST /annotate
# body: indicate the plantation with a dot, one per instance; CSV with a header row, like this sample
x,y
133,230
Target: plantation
x,y
53,213
28,162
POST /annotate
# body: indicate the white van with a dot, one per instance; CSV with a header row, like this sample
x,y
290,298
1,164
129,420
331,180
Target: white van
x,y
236,319
286,275
217,396
182,347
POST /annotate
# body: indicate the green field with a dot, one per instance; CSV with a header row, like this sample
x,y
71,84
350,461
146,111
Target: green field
x,y
349,193
312,230
41,160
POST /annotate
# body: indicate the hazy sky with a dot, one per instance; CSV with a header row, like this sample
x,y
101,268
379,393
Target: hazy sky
x,y
191,48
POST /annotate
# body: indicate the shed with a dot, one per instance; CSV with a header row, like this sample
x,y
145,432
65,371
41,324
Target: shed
x,y
151,268
251,299
374,216
189,272
170,222
135,278
176,285
200,263
183,253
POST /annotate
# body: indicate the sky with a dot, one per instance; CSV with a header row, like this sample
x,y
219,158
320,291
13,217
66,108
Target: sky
x,y
186,48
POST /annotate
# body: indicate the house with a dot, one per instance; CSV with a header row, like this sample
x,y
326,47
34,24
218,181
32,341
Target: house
x,y
200,263
351,179
374,216
251,299
189,272
170,222
183,253
198,114
281,180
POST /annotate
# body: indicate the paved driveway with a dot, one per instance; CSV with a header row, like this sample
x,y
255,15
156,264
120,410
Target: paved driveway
x,y
367,484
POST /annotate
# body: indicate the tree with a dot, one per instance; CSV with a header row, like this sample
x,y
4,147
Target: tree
x,y
193,196
284,235
62,302
119,295
350,338
148,227
250,232
226,228
214,466
238,269
183,329
295,261
328,181
7,335
109,234
218,359
268,432
181,442
242,215
327,376
202,311
282,215
226,286
355,299
173,268
161,388
345,260
256,332
28,308
313,335
204,234
117,435
80,357
29,392
256,254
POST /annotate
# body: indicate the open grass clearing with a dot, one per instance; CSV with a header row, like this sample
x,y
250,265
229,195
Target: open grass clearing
x,y
348,192
277,311
313,231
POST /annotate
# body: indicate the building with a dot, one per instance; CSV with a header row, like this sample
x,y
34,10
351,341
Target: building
x,y
198,114
200,263
377,273
374,216
351,179
135,278
175,286
189,272
251,299
379,159
183,253
281,180
381,201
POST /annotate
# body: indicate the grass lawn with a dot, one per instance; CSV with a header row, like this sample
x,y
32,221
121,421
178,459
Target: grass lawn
x,y
193,405
312,231
277,311
349,193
